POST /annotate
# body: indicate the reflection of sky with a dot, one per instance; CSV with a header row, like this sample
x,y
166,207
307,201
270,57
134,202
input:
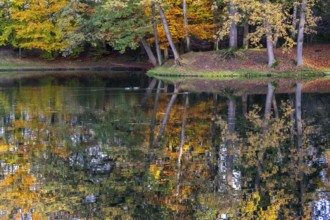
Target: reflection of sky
x,y
321,209
7,169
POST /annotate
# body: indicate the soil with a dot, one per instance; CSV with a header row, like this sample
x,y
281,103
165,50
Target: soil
x,y
315,57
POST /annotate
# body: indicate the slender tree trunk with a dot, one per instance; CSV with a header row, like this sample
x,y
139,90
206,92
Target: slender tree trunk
x,y
154,112
165,87
166,116
185,23
216,24
245,35
154,25
166,53
168,34
151,86
300,144
231,121
275,43
182,139
233,27
298,114
184,121
149,52
269,38
244,104
268,107
214,113
277,115
291,123
294,19
301,33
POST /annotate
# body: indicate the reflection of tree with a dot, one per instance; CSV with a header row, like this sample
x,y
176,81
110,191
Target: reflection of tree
x,y
44,131
167,114
154,112
281,190
231,121
267,115
60,155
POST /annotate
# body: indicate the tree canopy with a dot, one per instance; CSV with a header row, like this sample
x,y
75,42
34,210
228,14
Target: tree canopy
x,y
65,26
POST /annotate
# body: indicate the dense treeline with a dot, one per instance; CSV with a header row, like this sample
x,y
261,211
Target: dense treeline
x,y
66,27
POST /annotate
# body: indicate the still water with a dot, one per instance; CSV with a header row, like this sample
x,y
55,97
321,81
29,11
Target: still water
x,y
110,148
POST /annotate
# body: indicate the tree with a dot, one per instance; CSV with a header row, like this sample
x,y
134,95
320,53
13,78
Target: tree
x,y
269,39
301,29
34,25
168,34
270,19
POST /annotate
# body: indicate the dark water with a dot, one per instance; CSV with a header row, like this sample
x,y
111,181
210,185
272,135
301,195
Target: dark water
x,y
99,148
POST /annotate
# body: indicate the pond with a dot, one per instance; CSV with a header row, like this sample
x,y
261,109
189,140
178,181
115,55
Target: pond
x,y
130,147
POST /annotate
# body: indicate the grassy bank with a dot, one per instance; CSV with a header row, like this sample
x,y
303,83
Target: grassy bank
x,y
173,72
246,64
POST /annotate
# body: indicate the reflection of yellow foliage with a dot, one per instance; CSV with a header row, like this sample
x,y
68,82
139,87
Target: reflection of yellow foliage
x,y
4,148
114,212
155,171
21,124
249,206
61,152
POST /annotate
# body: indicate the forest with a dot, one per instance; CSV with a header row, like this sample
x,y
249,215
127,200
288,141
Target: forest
x,y
163,28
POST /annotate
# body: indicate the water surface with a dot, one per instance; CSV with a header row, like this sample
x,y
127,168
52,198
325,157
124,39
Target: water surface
x,y
105,148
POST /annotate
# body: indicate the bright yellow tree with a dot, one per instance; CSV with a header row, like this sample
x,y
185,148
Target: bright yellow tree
x,y
34,24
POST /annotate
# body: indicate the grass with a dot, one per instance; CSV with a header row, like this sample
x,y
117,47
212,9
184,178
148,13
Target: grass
x,y
170,72
13,64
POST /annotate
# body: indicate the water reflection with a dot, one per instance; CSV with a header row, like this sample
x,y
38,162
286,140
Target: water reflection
x,y
229,152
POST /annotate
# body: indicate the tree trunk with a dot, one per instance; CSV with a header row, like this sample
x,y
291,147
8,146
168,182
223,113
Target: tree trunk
x,y
244,104
267,114
291,123
294,20
215,116
268,106
269,38
233,26
154,25
229,143
168,34
301,33
149,52
151,86
166,53
275,42
182,138
245,35
277,115
300,144
154,112
216,25
298,114
185,23
166,116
